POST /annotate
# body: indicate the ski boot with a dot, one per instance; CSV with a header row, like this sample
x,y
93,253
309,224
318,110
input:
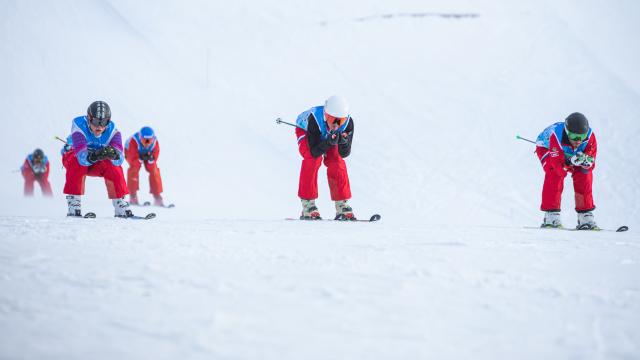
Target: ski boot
x,y
586,221
157,200
74,206
309,210
552,220
344,211
133,199
121,208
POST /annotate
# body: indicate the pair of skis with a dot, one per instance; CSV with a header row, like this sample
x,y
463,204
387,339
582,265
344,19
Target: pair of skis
x,y
149,216
148,203
584,227
373,218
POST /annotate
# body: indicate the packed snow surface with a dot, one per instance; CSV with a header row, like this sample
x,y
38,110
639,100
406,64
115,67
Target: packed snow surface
x,y
438,91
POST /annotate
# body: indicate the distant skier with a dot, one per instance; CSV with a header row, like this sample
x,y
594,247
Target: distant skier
x,y
95,149
325,132
36,169
143,148
568,146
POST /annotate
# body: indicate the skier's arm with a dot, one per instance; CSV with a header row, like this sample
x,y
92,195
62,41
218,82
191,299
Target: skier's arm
x,y
132,155
592,147
46,172
551,161
116,144
587,159
80,147
317,145
344,146
155,153
26,167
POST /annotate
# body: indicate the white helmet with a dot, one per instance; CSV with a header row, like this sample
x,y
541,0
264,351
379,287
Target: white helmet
x,y
336,106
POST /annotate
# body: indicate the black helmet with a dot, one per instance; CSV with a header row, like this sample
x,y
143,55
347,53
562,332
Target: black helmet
x,y
99,113
38,154
576,123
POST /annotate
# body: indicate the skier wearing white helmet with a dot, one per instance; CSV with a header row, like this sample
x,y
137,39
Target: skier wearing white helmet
x,y
325,133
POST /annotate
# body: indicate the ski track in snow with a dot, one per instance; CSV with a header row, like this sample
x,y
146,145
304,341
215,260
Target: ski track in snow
x,y
274,289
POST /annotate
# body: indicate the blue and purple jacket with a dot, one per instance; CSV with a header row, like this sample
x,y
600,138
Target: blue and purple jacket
x,y
82,140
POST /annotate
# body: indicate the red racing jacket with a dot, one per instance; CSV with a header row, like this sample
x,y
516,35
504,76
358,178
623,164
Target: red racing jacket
x,y
555,151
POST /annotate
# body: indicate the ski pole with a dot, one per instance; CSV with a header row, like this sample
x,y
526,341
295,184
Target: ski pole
x,y
527,140
58,138
533,142
280,121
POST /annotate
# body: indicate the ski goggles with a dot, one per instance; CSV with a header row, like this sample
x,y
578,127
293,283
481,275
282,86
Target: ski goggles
x,y
146,141
576,137
336,120
101,122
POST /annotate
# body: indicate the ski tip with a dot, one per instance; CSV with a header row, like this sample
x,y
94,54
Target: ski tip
x,y
171,206
150,216
622,228
375,217
89,215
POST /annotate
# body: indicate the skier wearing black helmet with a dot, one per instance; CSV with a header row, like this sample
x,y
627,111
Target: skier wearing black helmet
x,y
568,146
36,169
94,148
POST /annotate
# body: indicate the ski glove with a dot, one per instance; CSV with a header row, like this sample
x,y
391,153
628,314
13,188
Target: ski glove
x,y
146,156
95,156
581,159
334,138
344,138
107,152
110,153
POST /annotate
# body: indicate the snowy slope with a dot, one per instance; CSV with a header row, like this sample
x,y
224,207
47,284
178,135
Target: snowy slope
x,y
438,100
222,289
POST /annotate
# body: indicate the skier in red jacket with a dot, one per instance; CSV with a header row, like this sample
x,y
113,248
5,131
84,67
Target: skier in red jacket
x,y
143,148
36,169
568,147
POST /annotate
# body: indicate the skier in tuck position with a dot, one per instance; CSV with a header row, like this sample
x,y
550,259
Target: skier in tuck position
x,y
143,148
325,132
36,169
94,148
568,146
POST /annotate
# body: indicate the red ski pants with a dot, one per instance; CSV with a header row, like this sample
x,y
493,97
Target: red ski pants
x,y
76,175
133,177
554,184
336,173
29,181
582,187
